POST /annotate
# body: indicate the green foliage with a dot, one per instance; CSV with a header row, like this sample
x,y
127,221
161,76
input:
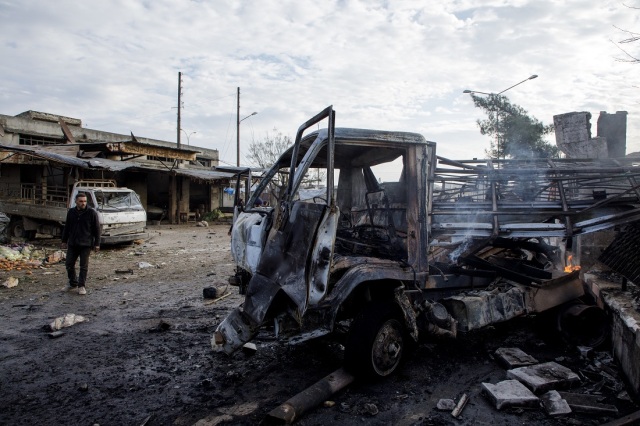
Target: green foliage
x,y
212,215
514,133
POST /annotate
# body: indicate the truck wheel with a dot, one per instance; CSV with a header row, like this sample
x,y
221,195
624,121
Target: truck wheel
x,y
16,229
376,341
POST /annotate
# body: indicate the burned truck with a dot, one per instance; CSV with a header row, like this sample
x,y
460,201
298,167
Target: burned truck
x,y
402,244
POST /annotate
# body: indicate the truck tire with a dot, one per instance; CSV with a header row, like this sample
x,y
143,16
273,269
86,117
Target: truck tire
x,y
16,229
376,341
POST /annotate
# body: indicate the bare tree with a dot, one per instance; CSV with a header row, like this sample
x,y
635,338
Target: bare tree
x,y
265,152
632,38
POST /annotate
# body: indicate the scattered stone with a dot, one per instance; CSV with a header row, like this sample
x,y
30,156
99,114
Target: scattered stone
x,y
329,404
249,348
585,351
554,404
209,292
83,387
143,265
514,357
162,326
446,405
124,271
10,282
589,404
66,321
56,257
56,334
544,377
370,409
203,224
510,393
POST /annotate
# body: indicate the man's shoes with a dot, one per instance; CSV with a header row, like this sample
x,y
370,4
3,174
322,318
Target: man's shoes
x,y
72,287
82,290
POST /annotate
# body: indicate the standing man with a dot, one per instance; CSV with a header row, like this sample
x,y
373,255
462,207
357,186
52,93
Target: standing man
x,y
81,233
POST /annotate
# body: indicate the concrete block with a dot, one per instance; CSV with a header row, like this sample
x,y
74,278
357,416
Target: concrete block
x,y
544,377
446,405
510,393
513,357
554,404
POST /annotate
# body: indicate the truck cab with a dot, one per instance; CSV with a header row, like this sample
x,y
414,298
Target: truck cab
x,y
121,214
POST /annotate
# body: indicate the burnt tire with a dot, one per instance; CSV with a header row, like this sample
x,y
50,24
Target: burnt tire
x,y
376,341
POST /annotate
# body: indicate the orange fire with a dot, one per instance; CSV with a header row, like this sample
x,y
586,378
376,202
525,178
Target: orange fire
x,y
570,266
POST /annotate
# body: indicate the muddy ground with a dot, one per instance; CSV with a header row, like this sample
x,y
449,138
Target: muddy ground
x,y
143,356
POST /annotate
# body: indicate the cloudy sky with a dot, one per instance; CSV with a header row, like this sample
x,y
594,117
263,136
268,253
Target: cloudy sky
x,y
392,65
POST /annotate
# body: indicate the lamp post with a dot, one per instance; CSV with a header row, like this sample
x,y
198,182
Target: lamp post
x,y
188,135
238,132
497,111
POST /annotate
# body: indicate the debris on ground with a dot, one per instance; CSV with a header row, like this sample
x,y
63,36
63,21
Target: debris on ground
x,y
554,404
162,326
446,405
24,256
249,348
460,405
10,282
143,265
544,377
214,292
510,393
66,321
513,358
588,404
56,334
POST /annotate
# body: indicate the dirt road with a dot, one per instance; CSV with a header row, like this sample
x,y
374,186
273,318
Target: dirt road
x,y
143,355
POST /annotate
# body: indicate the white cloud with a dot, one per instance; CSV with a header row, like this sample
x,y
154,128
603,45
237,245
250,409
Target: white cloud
x,y
390,65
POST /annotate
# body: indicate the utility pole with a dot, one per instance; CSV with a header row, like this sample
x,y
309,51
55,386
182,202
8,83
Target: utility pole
x,y
179,103
238,129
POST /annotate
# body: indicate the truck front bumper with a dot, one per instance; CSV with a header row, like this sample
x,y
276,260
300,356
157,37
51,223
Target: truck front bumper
x,y
123,238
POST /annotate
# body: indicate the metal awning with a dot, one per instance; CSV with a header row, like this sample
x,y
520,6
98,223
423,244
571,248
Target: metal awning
x,y
49,154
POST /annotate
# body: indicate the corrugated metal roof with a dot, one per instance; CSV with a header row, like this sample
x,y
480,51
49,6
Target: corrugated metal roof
x,y
113,165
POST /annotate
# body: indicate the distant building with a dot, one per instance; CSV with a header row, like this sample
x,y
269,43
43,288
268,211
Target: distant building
x,y
49,150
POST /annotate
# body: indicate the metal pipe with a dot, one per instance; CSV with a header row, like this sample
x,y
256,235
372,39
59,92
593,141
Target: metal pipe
x,y
311,397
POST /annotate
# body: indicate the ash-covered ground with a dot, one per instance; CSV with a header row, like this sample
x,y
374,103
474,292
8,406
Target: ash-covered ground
x,y
143,355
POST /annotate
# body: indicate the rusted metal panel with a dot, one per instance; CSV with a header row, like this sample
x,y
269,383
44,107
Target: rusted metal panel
x,y
138,148
65,130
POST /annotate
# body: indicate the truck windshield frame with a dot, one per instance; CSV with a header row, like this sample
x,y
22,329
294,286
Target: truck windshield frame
x,y
116,201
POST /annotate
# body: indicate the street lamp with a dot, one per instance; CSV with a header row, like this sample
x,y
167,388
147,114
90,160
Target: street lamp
x,y
497,112
238,132
187,135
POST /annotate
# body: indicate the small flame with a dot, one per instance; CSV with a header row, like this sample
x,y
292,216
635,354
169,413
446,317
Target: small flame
x,y
570,266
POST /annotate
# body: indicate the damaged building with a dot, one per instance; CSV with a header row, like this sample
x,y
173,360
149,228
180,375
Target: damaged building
x,y
43,150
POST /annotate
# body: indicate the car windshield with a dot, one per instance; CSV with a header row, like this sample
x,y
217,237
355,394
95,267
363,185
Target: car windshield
x,y
109,201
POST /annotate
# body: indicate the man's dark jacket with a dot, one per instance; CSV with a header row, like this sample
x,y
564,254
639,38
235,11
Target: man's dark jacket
x,y
82,228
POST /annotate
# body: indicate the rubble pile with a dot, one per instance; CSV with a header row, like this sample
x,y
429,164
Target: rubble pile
x,y
26,256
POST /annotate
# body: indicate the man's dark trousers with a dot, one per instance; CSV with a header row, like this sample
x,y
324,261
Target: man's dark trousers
x,y
73,252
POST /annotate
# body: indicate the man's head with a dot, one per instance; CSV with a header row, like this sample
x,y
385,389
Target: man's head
x,y
81,201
